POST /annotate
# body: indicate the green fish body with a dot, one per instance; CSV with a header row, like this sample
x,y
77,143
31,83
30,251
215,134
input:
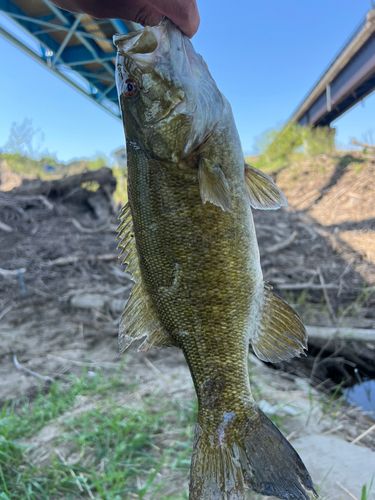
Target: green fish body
x,y
188,238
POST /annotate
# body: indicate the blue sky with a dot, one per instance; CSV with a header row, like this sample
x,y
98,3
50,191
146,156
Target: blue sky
x,y
264,55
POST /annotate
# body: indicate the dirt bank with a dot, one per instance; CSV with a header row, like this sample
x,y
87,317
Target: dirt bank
x,y
62,291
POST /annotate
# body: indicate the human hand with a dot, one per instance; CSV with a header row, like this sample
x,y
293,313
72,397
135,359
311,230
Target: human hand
x,y
184,13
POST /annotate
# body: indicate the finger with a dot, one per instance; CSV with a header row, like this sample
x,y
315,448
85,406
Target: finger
x,y
184,13
147,16
140,11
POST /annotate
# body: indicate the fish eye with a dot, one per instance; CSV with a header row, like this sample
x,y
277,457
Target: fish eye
x,y
130,88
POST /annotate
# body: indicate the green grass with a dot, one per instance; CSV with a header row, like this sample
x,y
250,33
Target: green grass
x,y
365,494
120,447
118,451
108,443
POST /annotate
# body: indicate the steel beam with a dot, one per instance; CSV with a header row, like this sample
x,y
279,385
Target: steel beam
x,y
61,57
66,39
58,13
53,27
12,39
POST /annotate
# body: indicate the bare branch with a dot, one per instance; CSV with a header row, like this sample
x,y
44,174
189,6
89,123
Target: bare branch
x,y
107,227
5,227
358,438
6,272
283,244
366,146
304,286
73,259
30,372
326,296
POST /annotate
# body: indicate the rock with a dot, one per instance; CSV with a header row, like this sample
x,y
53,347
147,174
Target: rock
x,y
331,460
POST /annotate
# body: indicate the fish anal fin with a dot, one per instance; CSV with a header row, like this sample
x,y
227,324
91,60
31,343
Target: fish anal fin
x,y
262,191
159,339
213,185
139,318
280,334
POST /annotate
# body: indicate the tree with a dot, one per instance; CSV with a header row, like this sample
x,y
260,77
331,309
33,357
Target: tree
x,y
26,141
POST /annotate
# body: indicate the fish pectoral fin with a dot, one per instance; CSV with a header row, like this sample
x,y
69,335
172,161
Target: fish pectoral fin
x,y
280,334
139,318
213,185
262,191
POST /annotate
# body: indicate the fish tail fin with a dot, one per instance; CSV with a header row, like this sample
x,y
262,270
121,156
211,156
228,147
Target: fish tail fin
x,y
253,455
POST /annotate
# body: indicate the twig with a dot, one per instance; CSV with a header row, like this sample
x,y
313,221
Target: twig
x,y
303,286
57,451
87,488
6,272
6,310
6,228
292,434
44,200
112,203
82,229
30,372
104,316
318,357
311,232
275,229
370,429
334,429
283,244
151,365
342,275
346,491
104,364
326,297
366,146
73,259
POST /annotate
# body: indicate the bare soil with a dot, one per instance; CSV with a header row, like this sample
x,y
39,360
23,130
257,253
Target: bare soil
x,y
325,237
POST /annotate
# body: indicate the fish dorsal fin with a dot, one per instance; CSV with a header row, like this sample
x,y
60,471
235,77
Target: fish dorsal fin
x,y
139,318
280,334
213,185
262,191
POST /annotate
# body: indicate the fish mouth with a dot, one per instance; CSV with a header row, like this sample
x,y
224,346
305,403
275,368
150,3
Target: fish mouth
x,y
164,25
140,46
143,49
140,42
144,45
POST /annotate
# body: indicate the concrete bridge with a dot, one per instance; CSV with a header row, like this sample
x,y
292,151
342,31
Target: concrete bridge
x,y
348,79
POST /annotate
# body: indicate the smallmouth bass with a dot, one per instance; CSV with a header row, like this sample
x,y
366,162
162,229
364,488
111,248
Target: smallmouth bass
x,y
188,238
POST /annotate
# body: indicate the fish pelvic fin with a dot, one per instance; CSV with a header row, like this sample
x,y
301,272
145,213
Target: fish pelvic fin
x,y
256,456
261,190
139,318
213,185
280,334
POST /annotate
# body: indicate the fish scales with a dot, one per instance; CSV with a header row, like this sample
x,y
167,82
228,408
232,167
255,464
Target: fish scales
x,y
195,261
214,260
